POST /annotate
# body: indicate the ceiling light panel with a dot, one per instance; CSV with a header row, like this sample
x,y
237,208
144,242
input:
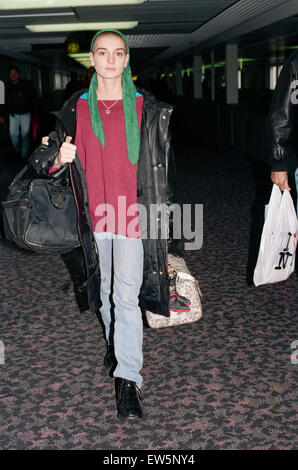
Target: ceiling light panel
x,y
49,28
82,58
37,15
80,55
21,5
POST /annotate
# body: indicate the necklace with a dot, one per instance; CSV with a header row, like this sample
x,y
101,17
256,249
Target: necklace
x,y
108,108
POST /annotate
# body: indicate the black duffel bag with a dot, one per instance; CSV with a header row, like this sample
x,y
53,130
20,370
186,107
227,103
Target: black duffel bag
x,y
40,214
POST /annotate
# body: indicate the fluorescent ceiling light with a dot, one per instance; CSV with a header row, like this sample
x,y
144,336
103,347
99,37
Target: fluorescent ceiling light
x,y
80,55
82,58
37,15
50,28
19,4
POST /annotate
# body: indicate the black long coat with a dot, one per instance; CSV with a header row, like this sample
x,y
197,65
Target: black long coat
x,y
282,122
156,184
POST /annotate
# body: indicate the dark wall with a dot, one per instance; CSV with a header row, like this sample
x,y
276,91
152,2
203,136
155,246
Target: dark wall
x,y
207,122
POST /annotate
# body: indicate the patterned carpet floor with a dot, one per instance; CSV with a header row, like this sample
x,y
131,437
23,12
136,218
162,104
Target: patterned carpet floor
x,y
224,382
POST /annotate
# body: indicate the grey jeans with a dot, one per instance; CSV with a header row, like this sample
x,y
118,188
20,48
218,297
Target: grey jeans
x,y
124,257
19,126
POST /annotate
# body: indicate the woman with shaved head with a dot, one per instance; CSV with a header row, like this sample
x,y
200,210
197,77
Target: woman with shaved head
x,y
117,141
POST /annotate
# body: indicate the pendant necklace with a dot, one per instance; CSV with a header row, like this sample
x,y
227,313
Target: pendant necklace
x,y
108,108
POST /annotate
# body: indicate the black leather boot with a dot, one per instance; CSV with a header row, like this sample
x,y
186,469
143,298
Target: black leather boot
x,y
127,399
110,358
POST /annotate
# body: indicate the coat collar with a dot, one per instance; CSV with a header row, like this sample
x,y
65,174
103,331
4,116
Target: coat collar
x,y
67,115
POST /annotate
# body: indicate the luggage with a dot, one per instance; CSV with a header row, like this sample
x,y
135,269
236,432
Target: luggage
x,y
40,214
184,297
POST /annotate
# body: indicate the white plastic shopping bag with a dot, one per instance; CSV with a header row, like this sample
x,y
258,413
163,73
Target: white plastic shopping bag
x,y
276,260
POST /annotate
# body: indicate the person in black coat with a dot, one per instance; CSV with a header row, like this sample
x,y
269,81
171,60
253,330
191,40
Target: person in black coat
x,y
282,125
140,263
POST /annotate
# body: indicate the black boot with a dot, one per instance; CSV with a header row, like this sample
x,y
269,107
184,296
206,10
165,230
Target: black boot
x,y
127,399
110,358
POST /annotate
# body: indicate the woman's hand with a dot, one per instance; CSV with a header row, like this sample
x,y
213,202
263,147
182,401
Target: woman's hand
x,y
66,154
281,179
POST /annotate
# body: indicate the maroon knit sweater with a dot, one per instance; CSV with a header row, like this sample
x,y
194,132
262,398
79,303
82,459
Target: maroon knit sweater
x,y
109,172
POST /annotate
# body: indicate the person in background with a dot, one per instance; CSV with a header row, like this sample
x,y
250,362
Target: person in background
x,y
86,79
20,102
73,86
282,126
90,73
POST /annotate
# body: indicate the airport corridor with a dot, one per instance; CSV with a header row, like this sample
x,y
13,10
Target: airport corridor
x,y
224,382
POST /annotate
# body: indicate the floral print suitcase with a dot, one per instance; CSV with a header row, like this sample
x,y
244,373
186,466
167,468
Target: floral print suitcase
x,y
187,287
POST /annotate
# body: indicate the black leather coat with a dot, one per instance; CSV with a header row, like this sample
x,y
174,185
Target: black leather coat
x,y
155,185
282,119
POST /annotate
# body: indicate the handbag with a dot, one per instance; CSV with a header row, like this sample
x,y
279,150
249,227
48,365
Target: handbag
x,y
276,258
185,297
40,214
